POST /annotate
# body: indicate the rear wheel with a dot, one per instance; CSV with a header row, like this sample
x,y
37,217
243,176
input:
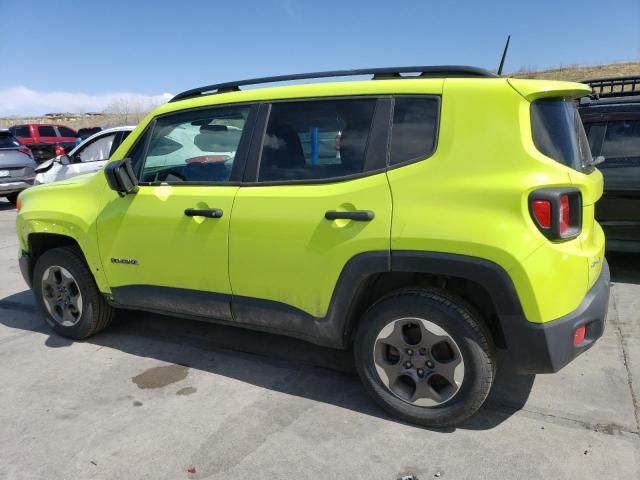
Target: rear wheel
x,y
67,295
13,198
424,356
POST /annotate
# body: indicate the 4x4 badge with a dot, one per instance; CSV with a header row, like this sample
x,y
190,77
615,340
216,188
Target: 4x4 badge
x,y
126,261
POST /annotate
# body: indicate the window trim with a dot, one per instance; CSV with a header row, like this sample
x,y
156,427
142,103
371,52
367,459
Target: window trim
x,y
436,132
238,162
379,124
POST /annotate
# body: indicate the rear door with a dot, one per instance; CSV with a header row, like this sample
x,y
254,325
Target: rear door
x,y
315,196
47,134
618,211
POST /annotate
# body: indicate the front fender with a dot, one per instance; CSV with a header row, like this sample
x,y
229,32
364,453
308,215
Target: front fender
x,y
67,209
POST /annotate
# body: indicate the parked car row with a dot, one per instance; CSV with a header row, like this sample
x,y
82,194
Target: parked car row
x,y
45,141
90,156
17,166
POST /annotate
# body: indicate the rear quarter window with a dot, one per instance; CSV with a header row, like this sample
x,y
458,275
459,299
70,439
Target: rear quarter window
x,y
558,133
66,132
414,129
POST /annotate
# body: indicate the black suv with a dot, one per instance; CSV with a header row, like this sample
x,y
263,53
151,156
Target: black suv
x,y
611,119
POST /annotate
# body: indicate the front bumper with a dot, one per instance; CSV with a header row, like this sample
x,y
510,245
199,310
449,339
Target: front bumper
x,y
15,186
547,347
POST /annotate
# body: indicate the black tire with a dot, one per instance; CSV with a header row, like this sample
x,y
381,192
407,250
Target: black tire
x,y
13,198
461,323
95,315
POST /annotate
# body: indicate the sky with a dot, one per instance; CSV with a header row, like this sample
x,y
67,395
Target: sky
x,y
70,55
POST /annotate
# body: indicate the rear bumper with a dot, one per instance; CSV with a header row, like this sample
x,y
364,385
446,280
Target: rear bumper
x,y
14,186
547,347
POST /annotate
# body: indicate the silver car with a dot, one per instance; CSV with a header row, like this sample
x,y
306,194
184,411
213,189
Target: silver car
x,y
90,156
17,167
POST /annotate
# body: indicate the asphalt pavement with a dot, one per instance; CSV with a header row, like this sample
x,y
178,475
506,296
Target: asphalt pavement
x,y
157,397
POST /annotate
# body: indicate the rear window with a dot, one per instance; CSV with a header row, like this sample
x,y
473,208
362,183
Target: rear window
x,y
558,133
47,132
8,141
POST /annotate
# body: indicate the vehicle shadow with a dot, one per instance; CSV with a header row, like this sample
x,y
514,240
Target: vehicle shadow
x,y
6,205
625,267
317,373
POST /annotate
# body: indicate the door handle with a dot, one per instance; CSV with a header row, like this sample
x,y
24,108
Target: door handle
x,y
357,215
203,212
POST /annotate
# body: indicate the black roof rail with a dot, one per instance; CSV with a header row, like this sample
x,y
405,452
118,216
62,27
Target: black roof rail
x,y
378,74
615,87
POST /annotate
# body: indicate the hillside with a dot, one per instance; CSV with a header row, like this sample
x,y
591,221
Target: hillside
x,y
581,72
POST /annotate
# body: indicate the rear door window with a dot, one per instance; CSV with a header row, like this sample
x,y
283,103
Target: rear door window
x,y
47,131
413,134
316,140
558,133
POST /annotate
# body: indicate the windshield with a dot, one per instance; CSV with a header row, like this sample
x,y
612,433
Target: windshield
x,y
558,133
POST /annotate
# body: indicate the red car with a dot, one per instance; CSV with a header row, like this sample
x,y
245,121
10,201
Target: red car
x,y
44,140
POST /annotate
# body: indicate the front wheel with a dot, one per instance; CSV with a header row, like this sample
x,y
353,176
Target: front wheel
x,y
67,295
425,357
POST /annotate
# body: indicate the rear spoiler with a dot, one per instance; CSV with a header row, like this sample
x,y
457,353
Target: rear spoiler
x,y
534,89
615,87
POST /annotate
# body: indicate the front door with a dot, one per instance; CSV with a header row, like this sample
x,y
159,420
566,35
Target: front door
x,y
318,198
166,247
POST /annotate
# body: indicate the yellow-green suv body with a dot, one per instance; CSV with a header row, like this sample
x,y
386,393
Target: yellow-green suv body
x,y
428,219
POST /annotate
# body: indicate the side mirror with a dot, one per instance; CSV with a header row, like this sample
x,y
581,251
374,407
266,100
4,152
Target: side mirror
x,y
120,177
64,160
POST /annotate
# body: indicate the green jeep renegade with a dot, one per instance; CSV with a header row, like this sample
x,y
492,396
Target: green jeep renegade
x,y
420,220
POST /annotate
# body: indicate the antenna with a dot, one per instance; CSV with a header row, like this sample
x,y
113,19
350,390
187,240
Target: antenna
x,y
504,55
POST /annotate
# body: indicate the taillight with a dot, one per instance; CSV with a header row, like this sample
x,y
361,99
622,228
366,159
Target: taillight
x,y
542,212
565,211
557,212
25,150
58,150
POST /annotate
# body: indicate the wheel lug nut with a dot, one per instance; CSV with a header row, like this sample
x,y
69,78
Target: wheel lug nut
x,y
420,372
430,364
409,352
422,351
407,364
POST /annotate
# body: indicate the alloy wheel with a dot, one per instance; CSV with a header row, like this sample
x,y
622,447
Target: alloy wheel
x,y
418,361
